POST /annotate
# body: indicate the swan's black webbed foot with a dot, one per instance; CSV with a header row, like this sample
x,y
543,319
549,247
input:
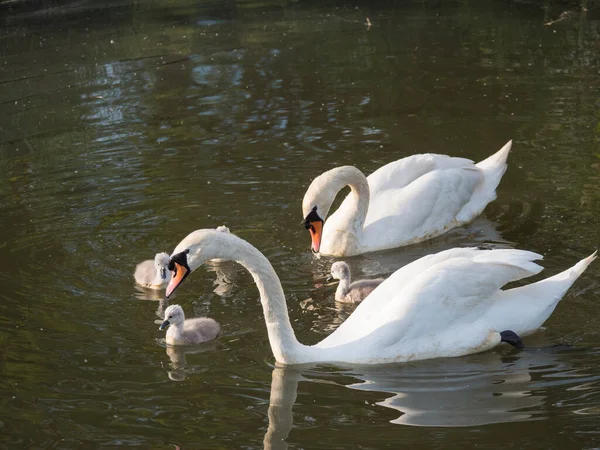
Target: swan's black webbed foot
x,y
512,338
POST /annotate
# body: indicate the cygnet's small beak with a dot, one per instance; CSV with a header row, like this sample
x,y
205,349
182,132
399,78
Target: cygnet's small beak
x,y
329,278
163,273
164,325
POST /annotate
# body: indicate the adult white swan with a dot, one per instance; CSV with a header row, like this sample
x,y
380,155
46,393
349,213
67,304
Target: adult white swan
x,y
446,304
404,202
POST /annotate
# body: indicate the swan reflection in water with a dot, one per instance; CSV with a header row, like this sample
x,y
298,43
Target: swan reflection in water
x,y
178,369
226,273
153,295
487,388
470,391
284,389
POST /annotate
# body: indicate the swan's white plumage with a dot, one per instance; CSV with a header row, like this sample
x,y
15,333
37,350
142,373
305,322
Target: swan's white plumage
x,y
404,202
435,291
222,229
442,305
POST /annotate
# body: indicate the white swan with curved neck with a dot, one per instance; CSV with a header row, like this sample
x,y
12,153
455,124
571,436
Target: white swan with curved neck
x,y
446,304
404,202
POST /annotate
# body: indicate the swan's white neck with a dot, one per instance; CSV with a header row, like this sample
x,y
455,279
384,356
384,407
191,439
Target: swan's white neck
x,y
343,230
284,344
281,334
358,199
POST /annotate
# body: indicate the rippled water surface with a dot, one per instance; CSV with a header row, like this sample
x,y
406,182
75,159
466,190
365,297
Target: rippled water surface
x,y
126,125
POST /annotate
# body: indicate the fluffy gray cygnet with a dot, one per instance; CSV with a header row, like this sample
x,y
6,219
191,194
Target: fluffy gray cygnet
x,y
351,293
190,331
154,274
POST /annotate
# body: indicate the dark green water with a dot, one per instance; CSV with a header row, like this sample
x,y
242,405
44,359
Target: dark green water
x,y
126,125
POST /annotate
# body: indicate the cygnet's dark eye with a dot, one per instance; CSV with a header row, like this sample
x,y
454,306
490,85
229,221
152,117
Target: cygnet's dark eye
x,y
170,317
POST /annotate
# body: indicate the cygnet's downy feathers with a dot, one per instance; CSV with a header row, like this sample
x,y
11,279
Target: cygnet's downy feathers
x,y
190,331
351,292
154,273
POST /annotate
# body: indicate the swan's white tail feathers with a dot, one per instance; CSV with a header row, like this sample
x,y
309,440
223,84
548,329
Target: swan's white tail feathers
x,y
580,267
540,298
556,286
492,169
497,160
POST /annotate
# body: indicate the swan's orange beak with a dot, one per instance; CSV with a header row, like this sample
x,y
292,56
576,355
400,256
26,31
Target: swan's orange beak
x,y
179,273
316,229
314,224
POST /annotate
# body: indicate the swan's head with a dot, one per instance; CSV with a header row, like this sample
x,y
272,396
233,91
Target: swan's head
x,y
173,316
197,248
315,206
340,270
180,269
318,199
314,224
161,262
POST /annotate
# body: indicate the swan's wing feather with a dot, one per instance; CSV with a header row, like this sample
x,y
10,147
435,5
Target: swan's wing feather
x,y
397,174
386,181
434,292
387,293
460,291
428,205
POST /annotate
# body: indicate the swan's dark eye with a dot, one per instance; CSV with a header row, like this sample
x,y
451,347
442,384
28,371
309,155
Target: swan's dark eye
x,y
171,265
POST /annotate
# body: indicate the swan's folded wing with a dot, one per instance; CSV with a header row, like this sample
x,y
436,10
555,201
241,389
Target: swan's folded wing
x,y
433,293
398,174
460,291
428,205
